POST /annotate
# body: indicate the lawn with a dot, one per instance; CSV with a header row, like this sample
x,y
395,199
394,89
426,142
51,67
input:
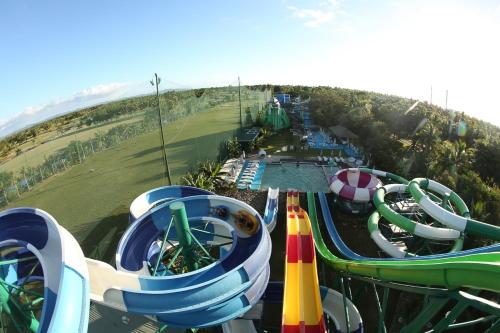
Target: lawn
x,y
279,144
91,199
37,155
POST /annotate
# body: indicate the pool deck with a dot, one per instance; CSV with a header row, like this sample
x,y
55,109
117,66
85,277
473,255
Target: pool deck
x,y
287,159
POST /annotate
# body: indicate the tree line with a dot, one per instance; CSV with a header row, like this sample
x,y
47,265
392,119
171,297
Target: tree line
x,y
453,148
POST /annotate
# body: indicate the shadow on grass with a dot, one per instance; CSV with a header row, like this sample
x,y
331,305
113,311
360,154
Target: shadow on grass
x,y
145,152
152,178
157,160
102,239
79,178
201,143
189,151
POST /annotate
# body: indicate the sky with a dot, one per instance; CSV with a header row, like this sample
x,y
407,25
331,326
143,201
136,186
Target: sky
x,y
58,56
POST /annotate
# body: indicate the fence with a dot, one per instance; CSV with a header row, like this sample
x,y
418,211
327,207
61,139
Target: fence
x,y
178,110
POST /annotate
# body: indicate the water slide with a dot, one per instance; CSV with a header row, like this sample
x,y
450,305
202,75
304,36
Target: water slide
x,y
277,118
209,296
452,271
330,300
354,185
206,297
147,200
413,227
461,222
302,307
63,272
349,254
442,213
271,212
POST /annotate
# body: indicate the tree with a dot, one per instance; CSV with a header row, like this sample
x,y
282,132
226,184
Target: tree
x,y
6,178
234,147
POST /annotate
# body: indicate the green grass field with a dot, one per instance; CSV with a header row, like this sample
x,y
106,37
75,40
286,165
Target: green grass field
x,y
91,199
36,155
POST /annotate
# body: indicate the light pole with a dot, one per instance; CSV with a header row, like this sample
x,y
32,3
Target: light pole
x,y
239,98
166,172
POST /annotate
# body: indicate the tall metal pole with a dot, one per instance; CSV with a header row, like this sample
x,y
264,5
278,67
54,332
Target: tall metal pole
x,y
166,172
239,96
451,114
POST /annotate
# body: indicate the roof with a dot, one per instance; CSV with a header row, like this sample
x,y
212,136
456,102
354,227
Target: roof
x,y
342,132
248,134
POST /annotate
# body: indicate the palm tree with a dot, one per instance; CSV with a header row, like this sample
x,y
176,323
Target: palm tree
x,y
234,147
206,177
199,180
479,211
451,157
210,168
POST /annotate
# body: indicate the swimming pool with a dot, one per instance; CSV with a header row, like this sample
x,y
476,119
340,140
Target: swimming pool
x,y
306,177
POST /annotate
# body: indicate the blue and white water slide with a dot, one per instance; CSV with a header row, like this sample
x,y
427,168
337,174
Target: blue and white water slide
x,y
271,212
349,254
147,200
64,271
208,296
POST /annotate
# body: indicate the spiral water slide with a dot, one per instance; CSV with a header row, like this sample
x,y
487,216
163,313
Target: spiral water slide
x,y
476,270
40,249
147,200
346,252
208,296
440,212
456,222
452,271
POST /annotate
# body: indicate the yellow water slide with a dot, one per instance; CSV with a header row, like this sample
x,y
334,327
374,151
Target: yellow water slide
x,y
302,309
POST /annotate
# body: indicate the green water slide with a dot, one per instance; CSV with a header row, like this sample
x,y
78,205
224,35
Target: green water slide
x,y
277,118
442,282
477,271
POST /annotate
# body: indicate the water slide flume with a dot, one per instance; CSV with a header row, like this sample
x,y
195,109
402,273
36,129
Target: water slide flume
x,y
147,200
271,211
440,209
302,309
461,223
63,271
415,228
349,254
479,271
330,299
216,293
205,297
418,229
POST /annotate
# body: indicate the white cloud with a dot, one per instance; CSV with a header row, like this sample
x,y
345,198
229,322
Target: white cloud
x,y
315,17
84,98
